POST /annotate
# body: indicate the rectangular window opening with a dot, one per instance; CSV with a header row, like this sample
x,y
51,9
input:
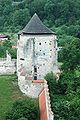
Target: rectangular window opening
x,y
21,58
39,43
35,69
35,77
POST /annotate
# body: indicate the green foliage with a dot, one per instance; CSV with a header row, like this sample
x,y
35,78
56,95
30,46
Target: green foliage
x,y
16,13
13,53
24,108
63,16
55,86
7,45
51,81
2,51
65,95
70,55
9,92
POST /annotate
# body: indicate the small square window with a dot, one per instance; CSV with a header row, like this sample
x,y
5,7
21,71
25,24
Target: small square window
x,y
39,43
43,53
45,42
40,50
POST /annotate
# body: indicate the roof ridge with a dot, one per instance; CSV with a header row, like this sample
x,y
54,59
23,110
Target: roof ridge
x,y
35,26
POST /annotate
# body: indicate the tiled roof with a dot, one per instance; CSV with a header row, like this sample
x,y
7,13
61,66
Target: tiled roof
x,y
3,36
35,26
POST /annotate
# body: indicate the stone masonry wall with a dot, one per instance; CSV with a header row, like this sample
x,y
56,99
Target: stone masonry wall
x,y
7,65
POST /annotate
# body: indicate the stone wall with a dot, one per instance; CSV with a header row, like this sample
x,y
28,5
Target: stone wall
x,y
44,104
36,56
27,84
37,51
7,65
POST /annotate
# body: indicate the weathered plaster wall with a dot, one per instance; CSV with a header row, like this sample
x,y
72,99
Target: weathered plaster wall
x,y
7,67
35,51
45,53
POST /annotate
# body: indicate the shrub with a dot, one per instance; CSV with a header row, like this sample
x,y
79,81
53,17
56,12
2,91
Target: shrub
x,y
27,109
55,86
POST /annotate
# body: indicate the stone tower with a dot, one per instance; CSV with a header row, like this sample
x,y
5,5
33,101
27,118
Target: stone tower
x,y
36,55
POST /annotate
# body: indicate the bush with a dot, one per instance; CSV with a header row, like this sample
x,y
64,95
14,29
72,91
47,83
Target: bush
x,y
55,86
24,109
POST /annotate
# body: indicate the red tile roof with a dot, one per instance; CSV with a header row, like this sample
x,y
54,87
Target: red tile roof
x,y
14,46
42,106
3,36
38,81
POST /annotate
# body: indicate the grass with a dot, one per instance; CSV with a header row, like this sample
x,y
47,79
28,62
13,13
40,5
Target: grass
x,y
9,92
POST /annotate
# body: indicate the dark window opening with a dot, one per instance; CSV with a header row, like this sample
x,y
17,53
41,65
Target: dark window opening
x,y
35,69
39,43
40,50
45,42
50,50
43,53
34,42
21,58
35,77
49,43
18,37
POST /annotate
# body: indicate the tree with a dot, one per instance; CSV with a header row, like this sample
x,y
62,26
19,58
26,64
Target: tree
x,y
37,6
21,17
24,109
7,43
2,51
70,55
55,86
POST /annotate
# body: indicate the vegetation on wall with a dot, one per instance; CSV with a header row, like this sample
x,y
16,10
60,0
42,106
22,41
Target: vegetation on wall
x,y
7,45
65,92
63,17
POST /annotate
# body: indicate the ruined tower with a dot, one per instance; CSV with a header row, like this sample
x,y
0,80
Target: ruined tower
x,y
36,55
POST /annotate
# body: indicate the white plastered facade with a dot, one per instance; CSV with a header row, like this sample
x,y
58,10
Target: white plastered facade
x,y
37,55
